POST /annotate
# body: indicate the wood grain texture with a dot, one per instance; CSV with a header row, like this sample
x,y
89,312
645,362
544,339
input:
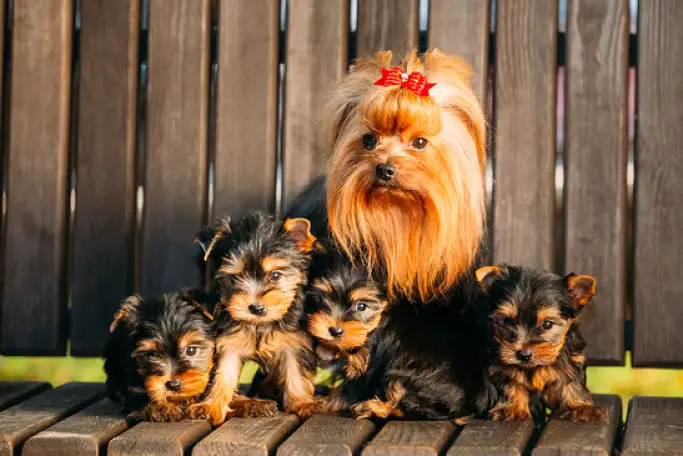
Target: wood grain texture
x,y
246,129
247,436
26,419
410,438
658,186
563,438
654,427
33,303
102,256
461,27
84,434
12,393
387,25
317,36
524,140
596,147
157,439
330,435
492,438
177,116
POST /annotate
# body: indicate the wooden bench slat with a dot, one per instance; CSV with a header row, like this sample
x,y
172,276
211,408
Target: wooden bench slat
x,y
102,244
34,304
82,434
525,140
12,393
485,437
177,129
252,436
564,438
330,435
246,106
26,419
654,426
387,25
152,439
410,438
317,37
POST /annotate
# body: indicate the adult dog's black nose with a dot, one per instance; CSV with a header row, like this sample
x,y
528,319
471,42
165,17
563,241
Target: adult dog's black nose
x,y
524,355
386,171
257,309
335,331
174,385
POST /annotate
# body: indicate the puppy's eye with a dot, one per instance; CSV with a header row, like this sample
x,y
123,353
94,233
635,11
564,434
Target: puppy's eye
x,y
419,143
275,275
507,321
361,306
369,141
191,350
547,324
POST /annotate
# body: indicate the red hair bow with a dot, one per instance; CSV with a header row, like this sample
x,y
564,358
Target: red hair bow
x,y
415,81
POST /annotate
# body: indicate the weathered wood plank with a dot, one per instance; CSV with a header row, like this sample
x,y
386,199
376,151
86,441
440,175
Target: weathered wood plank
x,y
387,25
330,435
658,186
492,438
252,436
246,129
410,438
84,434
103,270
177,128
12,393
654,427
33,302
461,27
152,439
564,438
26,419
525,100
596,145
317,37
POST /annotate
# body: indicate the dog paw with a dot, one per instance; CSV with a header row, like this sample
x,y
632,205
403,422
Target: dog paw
x,y
164,412
307,409
375,408
506,413
215,414
584,414
253,408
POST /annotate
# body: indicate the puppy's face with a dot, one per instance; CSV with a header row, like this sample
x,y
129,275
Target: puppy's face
x,y
531,311
346,307
173,345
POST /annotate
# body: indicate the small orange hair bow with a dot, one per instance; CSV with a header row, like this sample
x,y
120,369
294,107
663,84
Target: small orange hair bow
x,y
415,81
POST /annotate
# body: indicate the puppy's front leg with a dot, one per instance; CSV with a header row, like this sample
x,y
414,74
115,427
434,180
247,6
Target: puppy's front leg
x,y
576,405
216,405
297,386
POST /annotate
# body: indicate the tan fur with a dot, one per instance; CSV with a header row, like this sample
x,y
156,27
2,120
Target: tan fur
x,y
382,409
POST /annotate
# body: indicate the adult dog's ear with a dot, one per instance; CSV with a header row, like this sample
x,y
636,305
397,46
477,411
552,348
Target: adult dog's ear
x,y
127,313
209,235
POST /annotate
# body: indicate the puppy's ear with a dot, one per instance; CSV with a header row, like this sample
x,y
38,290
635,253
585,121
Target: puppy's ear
x,y
581,289
299,229
127,312
486,275
199,300
208,236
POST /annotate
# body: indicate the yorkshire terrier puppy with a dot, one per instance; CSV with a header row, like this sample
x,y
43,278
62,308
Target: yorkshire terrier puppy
x,y
540,352
345,305
159,355
261,272
405,186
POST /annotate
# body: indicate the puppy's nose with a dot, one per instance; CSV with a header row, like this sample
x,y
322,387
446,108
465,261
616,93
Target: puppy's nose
x,y
257,309
524,355
174,385
336,331
386,171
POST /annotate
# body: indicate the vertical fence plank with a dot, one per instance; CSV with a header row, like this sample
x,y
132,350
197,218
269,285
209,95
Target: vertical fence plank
x,y
525,100
247,106
461,27
596,146
317,35
3,165
102,262
659,187
177,116
34,305
389,25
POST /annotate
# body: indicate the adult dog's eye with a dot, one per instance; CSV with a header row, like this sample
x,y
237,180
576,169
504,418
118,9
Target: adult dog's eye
x,y
369,141
191,350
361,306
419,143
547,324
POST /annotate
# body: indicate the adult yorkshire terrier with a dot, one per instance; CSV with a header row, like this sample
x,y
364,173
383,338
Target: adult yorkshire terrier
x,y
405,185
